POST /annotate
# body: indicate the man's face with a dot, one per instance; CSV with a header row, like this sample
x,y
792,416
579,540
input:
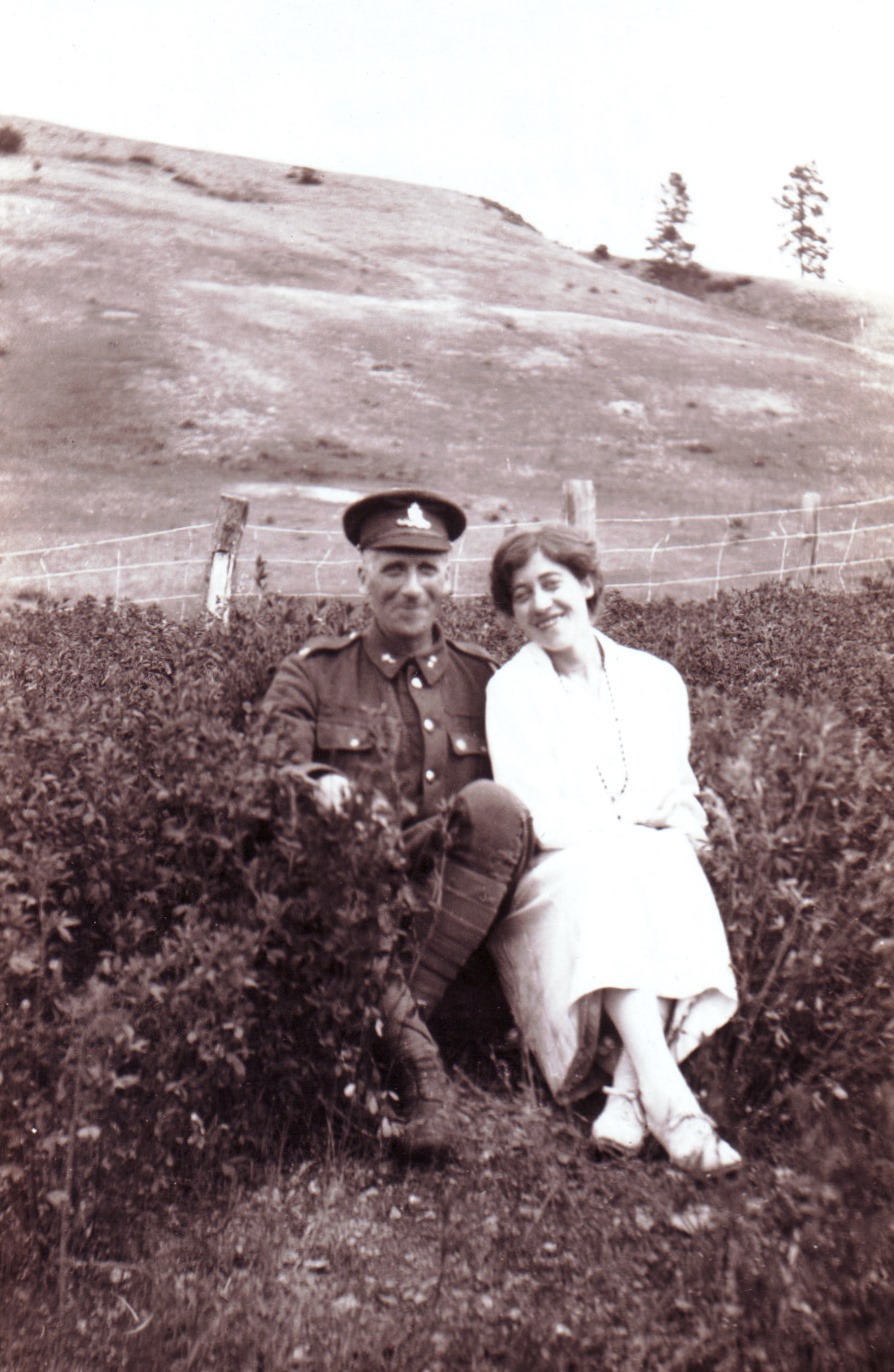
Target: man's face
x,y
404,590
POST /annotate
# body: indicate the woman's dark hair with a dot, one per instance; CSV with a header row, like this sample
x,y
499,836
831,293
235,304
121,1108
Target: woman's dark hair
x,y
560,544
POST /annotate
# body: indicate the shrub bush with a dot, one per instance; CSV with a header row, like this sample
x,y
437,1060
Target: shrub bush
x,y
777,640
687,278
190,957
802,863
305,176
11,140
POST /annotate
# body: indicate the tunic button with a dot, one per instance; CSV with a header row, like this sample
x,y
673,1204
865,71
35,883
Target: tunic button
x,y
460,745
417,682
428,725
355,742
429,775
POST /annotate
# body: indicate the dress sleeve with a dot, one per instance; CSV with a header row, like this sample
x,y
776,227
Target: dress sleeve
x,y
681,808
524,760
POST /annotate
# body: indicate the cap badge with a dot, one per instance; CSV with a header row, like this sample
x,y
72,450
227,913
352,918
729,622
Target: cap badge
x,y
415,519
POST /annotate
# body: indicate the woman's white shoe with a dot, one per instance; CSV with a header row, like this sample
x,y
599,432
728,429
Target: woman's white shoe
x,y
620,1129
693,1144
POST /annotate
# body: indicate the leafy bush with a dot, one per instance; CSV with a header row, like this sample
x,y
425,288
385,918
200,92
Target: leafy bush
x,y
11,140
777,640
725,285
191,956
511,216
687,278
305,176
802,864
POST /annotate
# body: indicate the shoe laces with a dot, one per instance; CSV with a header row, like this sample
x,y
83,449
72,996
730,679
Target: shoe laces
x,y
632,1098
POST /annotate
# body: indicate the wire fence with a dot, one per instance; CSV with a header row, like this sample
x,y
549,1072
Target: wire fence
x,y
166,567
684,556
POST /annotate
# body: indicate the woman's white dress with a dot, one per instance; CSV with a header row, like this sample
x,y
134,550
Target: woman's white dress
x,y
616,896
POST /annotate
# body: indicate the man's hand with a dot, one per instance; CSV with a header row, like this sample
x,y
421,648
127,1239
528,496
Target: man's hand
x,y
332,792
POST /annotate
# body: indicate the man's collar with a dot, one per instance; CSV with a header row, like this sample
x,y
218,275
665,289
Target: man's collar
x,y
431,664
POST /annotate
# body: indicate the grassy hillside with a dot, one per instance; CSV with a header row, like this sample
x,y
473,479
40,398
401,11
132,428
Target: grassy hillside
x,y
865,320
176,323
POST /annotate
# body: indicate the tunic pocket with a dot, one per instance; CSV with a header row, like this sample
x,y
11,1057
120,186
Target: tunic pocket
x,y
340,736
466,738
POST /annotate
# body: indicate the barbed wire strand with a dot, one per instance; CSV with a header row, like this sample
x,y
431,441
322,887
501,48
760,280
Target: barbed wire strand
x,y
662,545
611,585
104,571
49,576
739,576
741,514
513,524
101,542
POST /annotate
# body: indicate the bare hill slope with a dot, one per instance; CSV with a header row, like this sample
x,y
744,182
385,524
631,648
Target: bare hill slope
x,y
174,324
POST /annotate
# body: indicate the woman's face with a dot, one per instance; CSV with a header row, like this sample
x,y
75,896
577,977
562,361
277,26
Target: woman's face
x,y
549,604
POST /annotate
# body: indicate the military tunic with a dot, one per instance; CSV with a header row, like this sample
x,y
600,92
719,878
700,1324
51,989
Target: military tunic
x,y
348,703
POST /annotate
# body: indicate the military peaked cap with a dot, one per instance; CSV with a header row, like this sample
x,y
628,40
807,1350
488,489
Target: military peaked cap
x,y
416,520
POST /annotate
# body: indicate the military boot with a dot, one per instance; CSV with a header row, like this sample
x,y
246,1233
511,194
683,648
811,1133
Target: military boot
x,y
428,1127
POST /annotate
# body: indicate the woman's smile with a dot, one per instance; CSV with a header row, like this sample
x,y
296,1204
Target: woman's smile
x,y
550,605
545,623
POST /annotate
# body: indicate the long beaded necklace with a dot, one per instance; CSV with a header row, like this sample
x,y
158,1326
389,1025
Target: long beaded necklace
x,y
614,798
567,682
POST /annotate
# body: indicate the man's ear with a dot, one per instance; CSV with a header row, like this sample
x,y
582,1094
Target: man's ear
x,y
362,577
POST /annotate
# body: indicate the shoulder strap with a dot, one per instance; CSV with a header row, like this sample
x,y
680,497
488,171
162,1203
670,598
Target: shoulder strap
x,y
327,643
473,650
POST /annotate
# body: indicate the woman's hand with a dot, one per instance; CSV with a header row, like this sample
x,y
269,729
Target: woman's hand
x,y
680,810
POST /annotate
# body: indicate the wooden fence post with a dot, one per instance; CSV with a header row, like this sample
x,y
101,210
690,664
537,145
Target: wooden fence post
x,y
810,508
579,502
232,513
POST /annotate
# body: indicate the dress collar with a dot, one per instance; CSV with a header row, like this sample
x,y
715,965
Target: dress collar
x,y
545,663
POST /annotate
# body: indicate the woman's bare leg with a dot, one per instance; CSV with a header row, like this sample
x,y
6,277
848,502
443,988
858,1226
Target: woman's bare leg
x,y
640,1017
672,1111
625,1078
620,1129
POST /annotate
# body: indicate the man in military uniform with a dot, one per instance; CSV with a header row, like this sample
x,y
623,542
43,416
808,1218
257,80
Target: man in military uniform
x,y
403,699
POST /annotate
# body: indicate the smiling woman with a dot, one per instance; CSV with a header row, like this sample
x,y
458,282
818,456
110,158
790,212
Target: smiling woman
x,y
552,606
614,915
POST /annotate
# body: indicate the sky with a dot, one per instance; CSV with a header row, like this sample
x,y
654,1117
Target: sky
x,y
571,112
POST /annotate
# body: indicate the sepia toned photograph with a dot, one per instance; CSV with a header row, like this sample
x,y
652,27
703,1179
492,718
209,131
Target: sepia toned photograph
x,y
447,710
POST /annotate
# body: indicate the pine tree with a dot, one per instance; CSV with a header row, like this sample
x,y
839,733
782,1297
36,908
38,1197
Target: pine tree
x,y
803,200
668,242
